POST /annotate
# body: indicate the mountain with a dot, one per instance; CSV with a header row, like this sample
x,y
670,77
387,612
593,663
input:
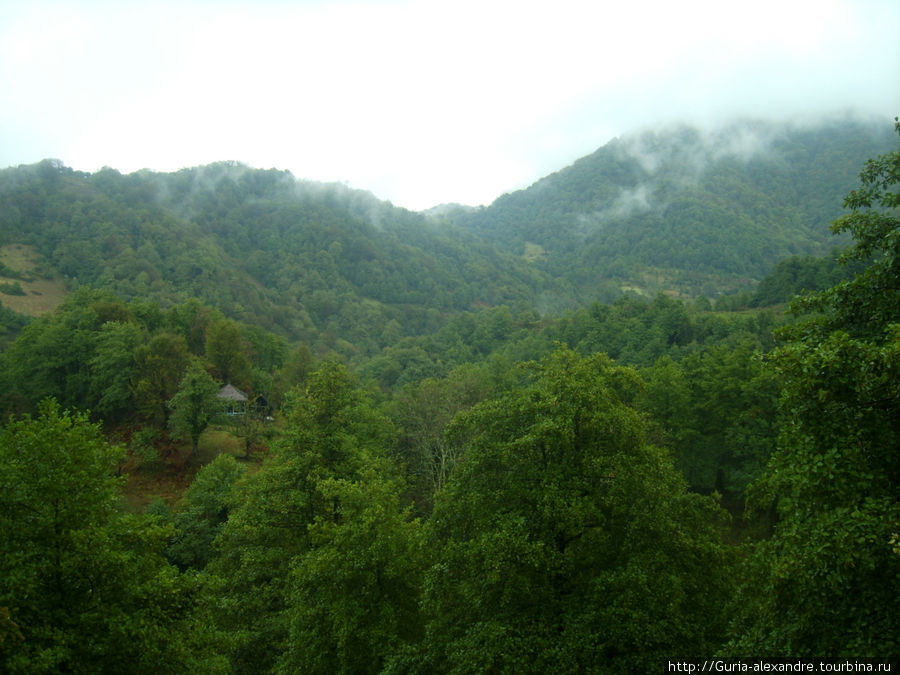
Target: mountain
x,y
678,210
315,262
683,210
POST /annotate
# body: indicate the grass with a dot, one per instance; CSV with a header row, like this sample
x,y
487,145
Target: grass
x,y
170,477
41,295
533,251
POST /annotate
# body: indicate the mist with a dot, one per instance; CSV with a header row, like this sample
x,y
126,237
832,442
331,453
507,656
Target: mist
x,y
420,103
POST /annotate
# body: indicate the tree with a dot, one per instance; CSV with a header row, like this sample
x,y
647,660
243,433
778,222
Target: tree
x,y
194,405
52,356
203,512
160,366
294,372
355,593
332,432
828,578
716,408
563,541
226,350
423,411
113,369
191,320
85,586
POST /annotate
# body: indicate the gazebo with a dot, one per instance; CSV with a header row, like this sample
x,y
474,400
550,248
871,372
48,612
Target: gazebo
x,y
235,399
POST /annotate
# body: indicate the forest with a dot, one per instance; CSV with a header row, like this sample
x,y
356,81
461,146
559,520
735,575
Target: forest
x,y
643,410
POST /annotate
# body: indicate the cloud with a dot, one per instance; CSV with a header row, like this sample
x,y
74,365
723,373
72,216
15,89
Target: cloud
x,y
419,102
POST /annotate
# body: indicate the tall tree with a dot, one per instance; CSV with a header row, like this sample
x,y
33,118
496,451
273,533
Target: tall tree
x,y
564,541
828,579
85,585
160,366
194,404
203,511
227,351
355,593
113,369
331,432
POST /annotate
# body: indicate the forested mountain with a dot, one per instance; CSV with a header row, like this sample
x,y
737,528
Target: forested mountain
x,y
685,210
679,210
322,263
421,468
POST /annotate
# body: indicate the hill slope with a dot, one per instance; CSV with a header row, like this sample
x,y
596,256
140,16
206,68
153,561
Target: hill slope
x,y
315,262
678,211
684,210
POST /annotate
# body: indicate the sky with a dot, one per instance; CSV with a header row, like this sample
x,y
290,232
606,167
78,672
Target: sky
x,y
421,103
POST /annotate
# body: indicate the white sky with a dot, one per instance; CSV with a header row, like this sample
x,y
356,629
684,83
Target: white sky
x,y
419,102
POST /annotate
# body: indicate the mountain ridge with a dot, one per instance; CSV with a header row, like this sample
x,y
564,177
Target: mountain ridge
x,y
676,211
741,198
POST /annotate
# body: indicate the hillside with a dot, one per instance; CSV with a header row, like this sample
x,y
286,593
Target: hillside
x,y
319,263
682,210
603,489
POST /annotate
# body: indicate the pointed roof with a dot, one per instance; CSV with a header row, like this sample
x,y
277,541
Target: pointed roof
x,y
232,393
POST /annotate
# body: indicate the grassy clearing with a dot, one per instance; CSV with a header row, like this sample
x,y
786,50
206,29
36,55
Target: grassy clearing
x,y
170,477
533,252
41,295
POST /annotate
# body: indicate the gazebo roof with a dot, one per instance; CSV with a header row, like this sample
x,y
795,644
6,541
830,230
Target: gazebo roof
x,y
232,393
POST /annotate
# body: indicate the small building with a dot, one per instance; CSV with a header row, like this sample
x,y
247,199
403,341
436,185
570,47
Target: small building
x,y
235,400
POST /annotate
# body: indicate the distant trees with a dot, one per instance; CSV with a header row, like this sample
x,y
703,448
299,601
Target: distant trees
x,y
161,362
114,369
679,208
226,350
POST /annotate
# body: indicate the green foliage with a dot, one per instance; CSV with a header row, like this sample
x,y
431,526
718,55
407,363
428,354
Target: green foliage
x,y
11,323
797,275
125,361
293,372
301,259
716,410
191,319
227,351
354,595
560,532
14,288
53,355
339,270
684,209
195,404
827,580
87,587
423,412
114,370
202,513
332,437
161,364
564,541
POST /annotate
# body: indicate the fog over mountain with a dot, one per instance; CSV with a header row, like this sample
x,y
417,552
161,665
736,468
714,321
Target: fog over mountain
x,y
653,210
419,103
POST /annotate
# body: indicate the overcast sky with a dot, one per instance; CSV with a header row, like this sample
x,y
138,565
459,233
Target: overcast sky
x,y
419,102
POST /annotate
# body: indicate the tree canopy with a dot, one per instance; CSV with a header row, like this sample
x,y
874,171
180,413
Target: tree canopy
x,y
828,579
479,443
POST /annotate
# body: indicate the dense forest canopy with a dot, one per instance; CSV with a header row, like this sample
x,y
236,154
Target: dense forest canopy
x,y
684,209
677,211
645,409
